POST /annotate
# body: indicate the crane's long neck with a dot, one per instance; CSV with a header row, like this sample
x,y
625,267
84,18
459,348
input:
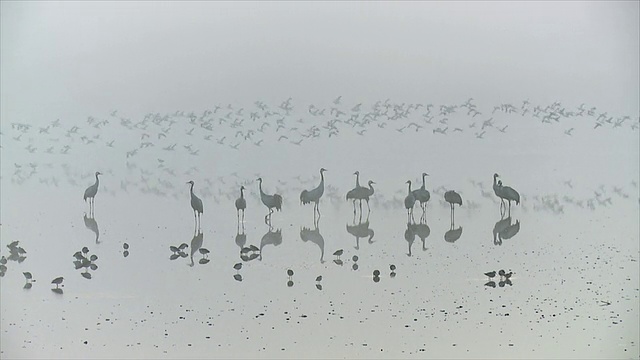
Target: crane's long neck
x,y
241,194
260,186
409,188
191,189
357,180
494,180
371,187
322,179
423,184
97,181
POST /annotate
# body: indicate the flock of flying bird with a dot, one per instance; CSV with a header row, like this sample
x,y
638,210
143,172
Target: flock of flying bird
x,y
154,148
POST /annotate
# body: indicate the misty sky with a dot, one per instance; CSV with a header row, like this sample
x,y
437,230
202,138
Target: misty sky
x,y
80,58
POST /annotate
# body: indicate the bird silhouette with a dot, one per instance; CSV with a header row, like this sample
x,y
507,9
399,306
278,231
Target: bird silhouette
x,y
91,192
505,192
422,195
314,195
409,202
497,189
196,205
241,204
452,198
364,193
352,194
270,201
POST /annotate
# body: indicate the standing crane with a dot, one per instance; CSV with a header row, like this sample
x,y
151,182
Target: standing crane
x,y
422,195
505,192
91,192
314,195
452,198
270,201
409,202
241,204
196,205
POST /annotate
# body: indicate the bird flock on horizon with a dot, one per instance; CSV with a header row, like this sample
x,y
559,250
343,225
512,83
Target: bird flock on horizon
x,y
155,149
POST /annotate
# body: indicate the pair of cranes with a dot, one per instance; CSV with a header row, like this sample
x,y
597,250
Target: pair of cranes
x,y
422,195
505,193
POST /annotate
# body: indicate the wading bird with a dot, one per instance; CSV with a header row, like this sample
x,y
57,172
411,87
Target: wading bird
x,y
196,205
505,192
409,202
314,195
452,198
422,195
241,204
91,192
270,201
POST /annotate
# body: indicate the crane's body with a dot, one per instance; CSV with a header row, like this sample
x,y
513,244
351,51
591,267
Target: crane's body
x,y
270,201
505,192
241,203
90,193
314,195
196,204
409,202
422,195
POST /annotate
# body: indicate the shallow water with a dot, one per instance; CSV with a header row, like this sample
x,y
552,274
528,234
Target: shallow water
x,y
571,245
573,292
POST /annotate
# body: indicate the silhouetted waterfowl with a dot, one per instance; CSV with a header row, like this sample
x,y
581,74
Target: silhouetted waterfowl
x,y
270,201
409,202
422,195
314,195
91,191
196,203
241,204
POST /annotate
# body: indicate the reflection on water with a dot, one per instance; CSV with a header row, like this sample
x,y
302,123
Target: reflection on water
x,y
361,230
423,231
86,261
241,237
315,237
91,224
270,238
196,244
453,234
410,235
505,229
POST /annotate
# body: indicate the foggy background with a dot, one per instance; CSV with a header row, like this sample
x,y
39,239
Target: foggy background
x,y
154,94
79,58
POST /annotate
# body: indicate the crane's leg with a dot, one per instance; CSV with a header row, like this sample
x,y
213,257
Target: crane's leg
x,y
243,217
368,208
